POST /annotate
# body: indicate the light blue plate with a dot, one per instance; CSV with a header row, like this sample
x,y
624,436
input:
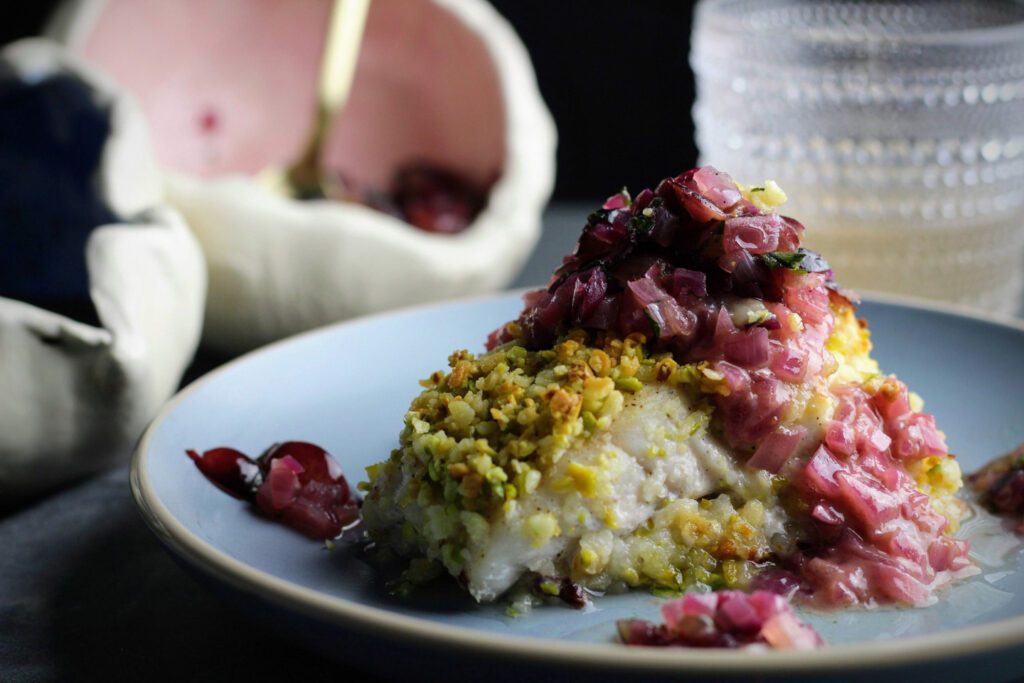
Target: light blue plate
x,y
347,388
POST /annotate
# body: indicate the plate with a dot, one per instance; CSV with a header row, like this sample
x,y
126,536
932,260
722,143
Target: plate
x,y
347,388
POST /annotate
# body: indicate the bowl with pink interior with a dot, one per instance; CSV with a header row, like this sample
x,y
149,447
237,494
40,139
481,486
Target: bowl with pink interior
x,y
445,151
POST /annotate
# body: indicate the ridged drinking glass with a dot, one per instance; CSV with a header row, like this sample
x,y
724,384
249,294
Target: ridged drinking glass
x,y
896,128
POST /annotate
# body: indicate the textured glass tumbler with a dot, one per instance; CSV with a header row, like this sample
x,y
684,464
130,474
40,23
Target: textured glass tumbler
x,y
896,128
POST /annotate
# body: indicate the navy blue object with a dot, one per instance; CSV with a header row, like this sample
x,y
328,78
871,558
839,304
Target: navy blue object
x,y
52,134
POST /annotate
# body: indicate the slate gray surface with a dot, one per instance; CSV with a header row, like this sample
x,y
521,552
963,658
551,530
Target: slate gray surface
x,y
88,594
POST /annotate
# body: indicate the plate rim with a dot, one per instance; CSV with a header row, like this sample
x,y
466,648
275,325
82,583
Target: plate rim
x,y
385,624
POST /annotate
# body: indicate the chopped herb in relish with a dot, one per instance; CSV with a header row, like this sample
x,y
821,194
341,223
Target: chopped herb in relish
x,y
783,259
640,224
654,324
801,260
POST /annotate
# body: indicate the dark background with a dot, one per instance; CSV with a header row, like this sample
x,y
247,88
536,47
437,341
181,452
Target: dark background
x,y
614,74
617,79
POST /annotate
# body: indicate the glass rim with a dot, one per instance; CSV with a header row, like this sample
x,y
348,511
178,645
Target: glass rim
x,y
711,12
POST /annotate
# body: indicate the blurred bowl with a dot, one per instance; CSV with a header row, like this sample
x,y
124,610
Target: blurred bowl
x,y
229,89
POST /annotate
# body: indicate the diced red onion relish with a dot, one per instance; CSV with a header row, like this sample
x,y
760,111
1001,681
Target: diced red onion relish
x,y
666,266
730,619
296,482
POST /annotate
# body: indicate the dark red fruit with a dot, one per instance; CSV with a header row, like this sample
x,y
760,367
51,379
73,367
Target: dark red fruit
x,y
296,482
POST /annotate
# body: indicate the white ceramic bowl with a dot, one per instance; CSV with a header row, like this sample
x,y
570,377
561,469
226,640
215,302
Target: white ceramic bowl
x,y
229,90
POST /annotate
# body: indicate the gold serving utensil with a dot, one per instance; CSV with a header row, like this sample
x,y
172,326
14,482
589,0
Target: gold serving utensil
x,y
304,178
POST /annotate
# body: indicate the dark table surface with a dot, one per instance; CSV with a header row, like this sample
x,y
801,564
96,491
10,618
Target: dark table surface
x,y
87,593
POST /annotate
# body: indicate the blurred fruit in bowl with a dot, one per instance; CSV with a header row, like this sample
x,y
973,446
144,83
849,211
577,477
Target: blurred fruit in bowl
x,y
444,129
